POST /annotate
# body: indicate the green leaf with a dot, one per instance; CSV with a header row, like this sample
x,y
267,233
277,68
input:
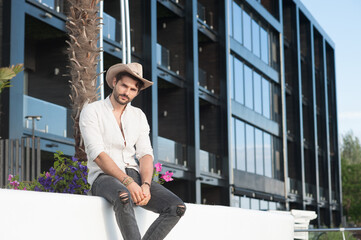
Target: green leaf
x,y
56,164
18,68
6,74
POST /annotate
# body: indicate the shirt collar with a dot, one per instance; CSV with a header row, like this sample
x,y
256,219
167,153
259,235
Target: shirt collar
x,y
109,104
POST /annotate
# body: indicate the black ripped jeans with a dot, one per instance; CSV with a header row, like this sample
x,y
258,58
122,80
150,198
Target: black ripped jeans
x,y
168,205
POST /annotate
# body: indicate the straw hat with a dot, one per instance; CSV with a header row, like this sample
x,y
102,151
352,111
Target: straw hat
x,y
134,69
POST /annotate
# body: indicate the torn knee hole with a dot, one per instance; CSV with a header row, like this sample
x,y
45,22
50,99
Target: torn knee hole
x,y
124,198
180,210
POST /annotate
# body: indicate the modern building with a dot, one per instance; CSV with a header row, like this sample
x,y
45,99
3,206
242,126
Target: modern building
x,y
243,106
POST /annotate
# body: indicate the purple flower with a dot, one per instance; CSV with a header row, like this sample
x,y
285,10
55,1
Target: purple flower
x,y
41,180
45,182
75,178
47,174
52,171
57,179
74,159
36,188
83,168
73,169
85,180
72,188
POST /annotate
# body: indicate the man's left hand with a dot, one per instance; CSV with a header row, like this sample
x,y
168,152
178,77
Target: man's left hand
x,y
146,194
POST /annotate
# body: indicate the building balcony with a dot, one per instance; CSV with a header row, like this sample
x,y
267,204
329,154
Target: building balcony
x,y
172,152
210,163
111,28
54,119
163,57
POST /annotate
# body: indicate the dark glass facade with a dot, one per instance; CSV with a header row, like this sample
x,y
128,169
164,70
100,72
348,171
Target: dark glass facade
x,y
243,106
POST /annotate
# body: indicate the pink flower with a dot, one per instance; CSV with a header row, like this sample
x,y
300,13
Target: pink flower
x,y
15,184
10,177
167,176
47,174
24,188
158,167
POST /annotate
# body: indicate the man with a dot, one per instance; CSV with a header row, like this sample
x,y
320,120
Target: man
x,y
114,133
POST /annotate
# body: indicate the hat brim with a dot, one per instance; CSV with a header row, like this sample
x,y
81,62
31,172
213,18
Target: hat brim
x,y
120,67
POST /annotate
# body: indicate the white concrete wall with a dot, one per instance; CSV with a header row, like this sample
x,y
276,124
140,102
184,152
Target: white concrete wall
x,y
36,215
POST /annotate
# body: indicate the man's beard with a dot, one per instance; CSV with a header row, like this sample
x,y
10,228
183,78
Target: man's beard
x,y
116,98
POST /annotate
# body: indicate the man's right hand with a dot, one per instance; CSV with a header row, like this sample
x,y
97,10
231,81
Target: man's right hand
x,y
136,192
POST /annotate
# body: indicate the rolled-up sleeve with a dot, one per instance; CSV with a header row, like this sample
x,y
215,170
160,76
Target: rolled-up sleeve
x,y
90,131
143,145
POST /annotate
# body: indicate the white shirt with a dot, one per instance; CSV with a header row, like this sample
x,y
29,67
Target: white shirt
x,y
101,133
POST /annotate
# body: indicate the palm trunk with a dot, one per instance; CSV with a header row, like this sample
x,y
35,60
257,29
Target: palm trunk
x,y
83,29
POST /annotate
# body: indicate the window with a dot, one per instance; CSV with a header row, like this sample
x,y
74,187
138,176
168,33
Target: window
x,y
240,146
271,6
272,206
256,151
233,144
266,98
204,161
237,22
248,87
238,79
264,46
255,39
250,148
275,51
230,17
109,29
267,155
245,202
264,205
247,34
257,92
231,77
235,201
259,151
254,204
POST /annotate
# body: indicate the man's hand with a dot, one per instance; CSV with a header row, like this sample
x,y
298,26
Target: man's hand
x,y
146,194
136,192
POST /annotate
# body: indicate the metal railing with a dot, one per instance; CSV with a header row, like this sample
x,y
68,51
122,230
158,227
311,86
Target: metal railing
x,y
19,157
325,230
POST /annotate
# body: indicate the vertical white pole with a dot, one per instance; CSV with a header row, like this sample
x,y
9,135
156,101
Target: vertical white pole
x,y
101,56
122,17
127,23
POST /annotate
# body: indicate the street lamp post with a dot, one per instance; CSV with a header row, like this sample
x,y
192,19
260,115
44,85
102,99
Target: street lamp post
x,y
32,118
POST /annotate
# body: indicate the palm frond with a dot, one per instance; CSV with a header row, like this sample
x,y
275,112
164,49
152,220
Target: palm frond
x,y
7,73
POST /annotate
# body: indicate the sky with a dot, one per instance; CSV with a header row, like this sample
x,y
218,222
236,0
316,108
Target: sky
x,y
341,20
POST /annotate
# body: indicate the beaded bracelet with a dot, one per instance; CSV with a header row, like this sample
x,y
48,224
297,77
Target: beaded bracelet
x,y
127,180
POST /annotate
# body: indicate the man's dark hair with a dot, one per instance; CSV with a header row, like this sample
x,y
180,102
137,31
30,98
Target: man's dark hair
x,y
139,83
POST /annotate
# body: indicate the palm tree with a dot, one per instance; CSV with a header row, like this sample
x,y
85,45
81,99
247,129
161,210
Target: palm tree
x,y
83,27
7,73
